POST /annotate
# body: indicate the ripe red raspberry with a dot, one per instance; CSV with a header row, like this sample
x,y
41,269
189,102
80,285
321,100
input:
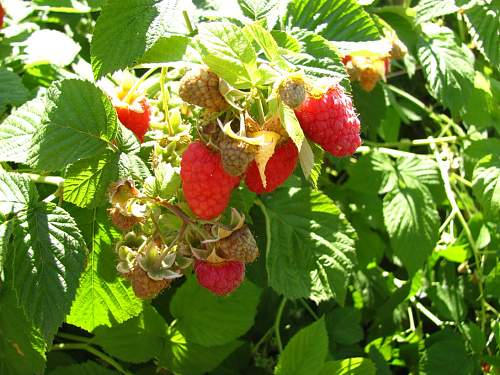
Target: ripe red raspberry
x,y
207,187
135,119
220,278
330,121
278,169
2,14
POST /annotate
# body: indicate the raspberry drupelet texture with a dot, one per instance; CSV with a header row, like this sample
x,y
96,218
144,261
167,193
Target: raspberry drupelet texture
x,y
145,287
278,169
236,155
330,121
201,87
207,187
220,278
240,245
135,120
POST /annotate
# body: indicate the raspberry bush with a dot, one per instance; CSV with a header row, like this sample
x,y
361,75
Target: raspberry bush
x,y
249,187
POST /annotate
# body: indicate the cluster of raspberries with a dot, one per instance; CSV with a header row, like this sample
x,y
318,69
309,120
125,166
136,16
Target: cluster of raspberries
x,y
209,175
211,170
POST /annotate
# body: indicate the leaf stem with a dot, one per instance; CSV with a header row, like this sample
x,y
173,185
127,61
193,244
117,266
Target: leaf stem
x,y
262,339
84,346
78,338
389,151
433,318
277,323
462,180
417,142
39,179
451,198
189,25
262,207
308,308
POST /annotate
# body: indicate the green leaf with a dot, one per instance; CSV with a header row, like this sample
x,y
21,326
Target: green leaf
x,y
87,180
344,325
349,366
482,20
447,356
50,47
236,311
18,129
370,106
318,57
126,29
137,340
492,282
186,358
16,192
22,347
103,297
478,150
227,52
71,6
486,184
257,9
81,123
167,49
85,368
292,126
311,246
305,353
412,222
46,258
447,300
266,41
483,107
12,90
6,230
429,9
448,67
339,20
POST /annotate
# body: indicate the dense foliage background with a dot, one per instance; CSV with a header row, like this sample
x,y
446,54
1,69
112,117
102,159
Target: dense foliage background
x,y
384,262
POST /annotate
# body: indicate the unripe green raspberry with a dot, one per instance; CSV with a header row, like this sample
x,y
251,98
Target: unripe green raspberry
x,y
201,87
145,287
292,92
236,155
240,245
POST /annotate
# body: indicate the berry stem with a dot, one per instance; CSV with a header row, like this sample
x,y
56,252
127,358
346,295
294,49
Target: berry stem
x,y
260,107
277,323
138,83
84,346
173,208
164,99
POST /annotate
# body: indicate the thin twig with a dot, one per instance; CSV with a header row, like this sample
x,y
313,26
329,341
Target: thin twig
x,y
475,250
308,308
277,323
78,338
83,346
